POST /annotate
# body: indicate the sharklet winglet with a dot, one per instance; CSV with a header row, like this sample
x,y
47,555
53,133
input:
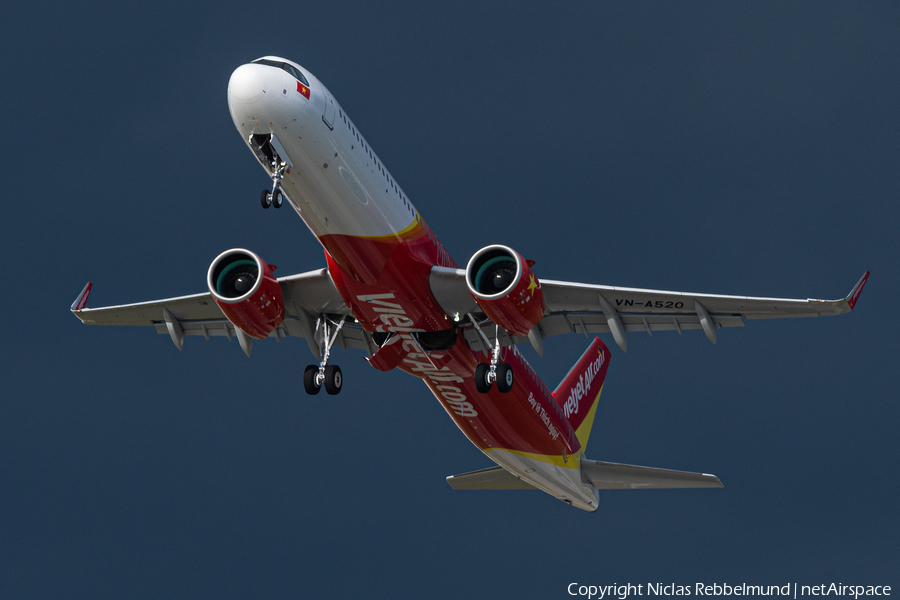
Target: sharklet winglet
x,y
81,300
853,297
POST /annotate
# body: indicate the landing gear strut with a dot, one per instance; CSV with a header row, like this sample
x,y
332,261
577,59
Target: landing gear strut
x,y
276,196
329,375
486,374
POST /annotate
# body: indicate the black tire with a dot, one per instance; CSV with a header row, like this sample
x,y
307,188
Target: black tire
x,y
277,199
504,377
333,379
309,380
481,382
265,199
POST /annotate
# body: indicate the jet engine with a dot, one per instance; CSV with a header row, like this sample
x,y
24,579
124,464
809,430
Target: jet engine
x,y
506,288
243,286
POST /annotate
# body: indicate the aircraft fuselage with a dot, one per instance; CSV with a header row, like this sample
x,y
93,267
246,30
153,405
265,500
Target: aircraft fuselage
x,y
380,253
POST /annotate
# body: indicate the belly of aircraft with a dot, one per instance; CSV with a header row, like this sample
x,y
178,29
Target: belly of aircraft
x,y
380,254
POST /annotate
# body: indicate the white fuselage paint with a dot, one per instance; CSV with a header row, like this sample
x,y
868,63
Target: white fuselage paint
x,y
338,185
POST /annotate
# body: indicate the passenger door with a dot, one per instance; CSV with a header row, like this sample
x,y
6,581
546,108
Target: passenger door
x,y
328,116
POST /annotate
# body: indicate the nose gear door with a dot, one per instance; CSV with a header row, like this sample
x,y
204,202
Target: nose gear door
x,y
270,153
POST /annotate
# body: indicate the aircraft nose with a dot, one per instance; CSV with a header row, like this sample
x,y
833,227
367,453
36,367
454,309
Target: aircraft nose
x,y
248,84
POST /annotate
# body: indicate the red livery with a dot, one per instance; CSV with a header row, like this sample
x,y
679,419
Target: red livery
x,y
506,289
392,290
243,286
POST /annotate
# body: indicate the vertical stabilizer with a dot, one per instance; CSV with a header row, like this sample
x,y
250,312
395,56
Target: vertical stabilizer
x,y
580,389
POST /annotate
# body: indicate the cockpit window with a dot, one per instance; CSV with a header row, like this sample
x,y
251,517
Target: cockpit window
x,y
285,67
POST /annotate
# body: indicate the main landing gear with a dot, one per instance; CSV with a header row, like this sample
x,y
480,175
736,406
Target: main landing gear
x,y
276,196
486,374
314,377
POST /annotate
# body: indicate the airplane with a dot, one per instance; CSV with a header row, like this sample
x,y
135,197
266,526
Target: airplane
x,y
391,289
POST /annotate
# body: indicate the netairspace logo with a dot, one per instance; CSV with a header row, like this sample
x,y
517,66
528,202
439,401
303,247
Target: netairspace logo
x,y
791,590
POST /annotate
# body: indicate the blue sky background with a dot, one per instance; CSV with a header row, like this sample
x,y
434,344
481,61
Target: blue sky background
x,y
746,148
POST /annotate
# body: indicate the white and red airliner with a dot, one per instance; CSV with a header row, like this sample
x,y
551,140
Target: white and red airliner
x,y
391,289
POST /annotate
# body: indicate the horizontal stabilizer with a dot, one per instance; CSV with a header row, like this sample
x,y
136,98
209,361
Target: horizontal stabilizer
x,y
495,478
601,475
614,476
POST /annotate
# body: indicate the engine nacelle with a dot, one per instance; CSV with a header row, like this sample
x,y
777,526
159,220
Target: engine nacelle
x,y
506,288
243,286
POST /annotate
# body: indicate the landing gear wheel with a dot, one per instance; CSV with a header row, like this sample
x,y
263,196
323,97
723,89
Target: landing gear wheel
x,y
265,199
277,199
309,380
481,378
333,379
504,377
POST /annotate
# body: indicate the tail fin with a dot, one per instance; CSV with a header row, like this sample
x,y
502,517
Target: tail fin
x,y
580,389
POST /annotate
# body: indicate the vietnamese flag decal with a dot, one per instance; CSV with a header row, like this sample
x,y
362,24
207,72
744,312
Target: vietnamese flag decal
x,y
303,90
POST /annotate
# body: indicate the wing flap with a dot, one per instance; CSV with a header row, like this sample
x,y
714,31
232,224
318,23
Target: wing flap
x,y
615,476
591,323
350,336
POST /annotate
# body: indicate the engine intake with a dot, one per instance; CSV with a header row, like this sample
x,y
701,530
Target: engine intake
x,y
506,289
244,287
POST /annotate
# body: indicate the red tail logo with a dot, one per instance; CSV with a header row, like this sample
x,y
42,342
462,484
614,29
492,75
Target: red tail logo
x,y
580,389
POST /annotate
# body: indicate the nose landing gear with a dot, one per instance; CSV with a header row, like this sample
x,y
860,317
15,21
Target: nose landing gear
x,y
276,196
272,156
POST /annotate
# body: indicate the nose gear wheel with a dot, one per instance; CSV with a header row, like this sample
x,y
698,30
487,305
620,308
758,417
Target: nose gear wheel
x,y
276,196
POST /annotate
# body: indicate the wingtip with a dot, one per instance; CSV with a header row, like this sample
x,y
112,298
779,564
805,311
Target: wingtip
x,y
81,300
853,296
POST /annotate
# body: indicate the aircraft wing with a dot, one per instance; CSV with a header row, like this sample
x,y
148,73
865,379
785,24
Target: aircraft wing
x,y
585,308
307,297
